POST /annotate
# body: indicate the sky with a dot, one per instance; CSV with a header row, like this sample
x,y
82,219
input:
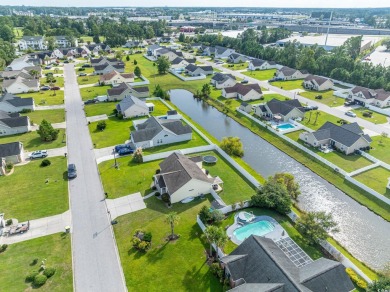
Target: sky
x,y
206,3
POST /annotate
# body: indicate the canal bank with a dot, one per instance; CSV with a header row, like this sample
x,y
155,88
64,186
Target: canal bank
x,y
361,230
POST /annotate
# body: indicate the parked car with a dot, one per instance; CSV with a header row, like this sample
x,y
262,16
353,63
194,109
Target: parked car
x,y
44,88
86,66
350,114
66,62
125,151
47,67
348,103
38,154
83,74
55,88
244,81
121,146
90,101
314,107
72,171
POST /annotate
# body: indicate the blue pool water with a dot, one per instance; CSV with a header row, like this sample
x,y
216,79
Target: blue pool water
x,y
259,228
285,127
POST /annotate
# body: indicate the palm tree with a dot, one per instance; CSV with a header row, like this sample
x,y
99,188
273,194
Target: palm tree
x,y
220,239
317,114
172,219
210,233
34,73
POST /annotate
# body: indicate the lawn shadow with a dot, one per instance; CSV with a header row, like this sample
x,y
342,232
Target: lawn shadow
x,y
157,253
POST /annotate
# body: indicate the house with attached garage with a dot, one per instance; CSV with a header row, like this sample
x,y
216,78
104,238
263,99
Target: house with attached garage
x,y
194,70
21,62
13,104
131,107
259,264
107,68
281,111
346,138
182,177
156,132
104,60
168,53
258,64
317,83
382,98
151,51
236,58
96,48
115,78
243,92
122,90
287,73
11,124
222,52
12,152
179,63
24,73
20,85
363,96
220,80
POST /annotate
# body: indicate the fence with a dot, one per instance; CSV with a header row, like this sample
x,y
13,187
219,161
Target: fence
x,y
201,77
378,110
203,227
340,93
163,155
368,190
144,82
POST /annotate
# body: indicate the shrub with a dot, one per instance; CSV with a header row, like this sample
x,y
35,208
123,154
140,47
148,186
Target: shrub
x,y
205,214
39,280
45,162
47,132
31,276
8,222
101,125
137,156
3,248
9,166
157,194
232,146
216,270
49,272
26,111
81,69
166,198
148,236
356,279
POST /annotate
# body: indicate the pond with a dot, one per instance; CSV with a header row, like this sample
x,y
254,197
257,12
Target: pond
x,y
362,232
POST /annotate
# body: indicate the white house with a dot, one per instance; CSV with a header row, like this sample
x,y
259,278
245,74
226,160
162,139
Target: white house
x,y
156,132
62,42
179,63
182,177
281,111
12,152
363,96
114,78
222,52
13,104
243,92
20,85
236,58
151,51
131,107
382,99
246,107
258,64
11,124
220,80
194,70
122,90
347,138
32,42
317,83
287,73
20,63
107,68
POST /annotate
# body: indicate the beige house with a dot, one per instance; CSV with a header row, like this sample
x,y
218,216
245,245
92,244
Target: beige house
x,y
115,78
317,83
363,96
287,73
281,111
12,152
182,177
243,92
258,64
347,138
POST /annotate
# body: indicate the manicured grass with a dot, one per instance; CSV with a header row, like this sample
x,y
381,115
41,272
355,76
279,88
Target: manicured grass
x,y
380,148
48,97
54,70
377,179
87,38
17,263
93,91
87,70
52,116
313,122
25,195
59,82
101,108
376,118
261,74
171,266
116,132
92,79
327,97
160,109
288,85
31,141
240,66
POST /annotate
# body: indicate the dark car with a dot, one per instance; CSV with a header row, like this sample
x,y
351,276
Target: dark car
x,y
66,62
72,172
86,65
44,88
55,88
244,81
125,151
90,101
314,107
83,74
121,146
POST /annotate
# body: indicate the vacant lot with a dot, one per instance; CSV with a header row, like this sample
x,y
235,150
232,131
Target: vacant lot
x,y
25,195
240,66
375,118
327,97
377,179
48,97
17,263
261,74
59,82
93,91
288,85
52,116
92,79
381,148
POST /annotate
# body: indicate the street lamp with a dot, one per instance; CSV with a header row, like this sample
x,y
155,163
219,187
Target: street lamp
x,y
115,163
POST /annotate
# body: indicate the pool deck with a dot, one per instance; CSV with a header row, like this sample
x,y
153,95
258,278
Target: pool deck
x,y
277,234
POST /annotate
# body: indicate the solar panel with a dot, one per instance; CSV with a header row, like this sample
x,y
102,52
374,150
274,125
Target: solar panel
x,y
293,252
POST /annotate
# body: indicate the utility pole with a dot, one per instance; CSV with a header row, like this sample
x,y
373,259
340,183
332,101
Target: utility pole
x,y
327,33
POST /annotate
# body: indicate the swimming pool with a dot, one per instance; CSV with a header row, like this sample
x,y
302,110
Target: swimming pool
x,y
285,127
259,228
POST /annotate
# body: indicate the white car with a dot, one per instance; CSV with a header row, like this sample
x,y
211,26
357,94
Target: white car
x,y
38,154
351,114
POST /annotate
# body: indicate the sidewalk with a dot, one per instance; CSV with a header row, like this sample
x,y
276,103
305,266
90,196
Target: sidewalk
x,y
49,107
55,126
125,205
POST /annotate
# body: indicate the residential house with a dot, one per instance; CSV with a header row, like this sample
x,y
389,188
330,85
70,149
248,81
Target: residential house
x,y
107,68
122,90
194,70
382,99
196,46
32,42
363,96
64,42
115,78
20,63
207,51
287,73
13,104
44,57
104,60
258,64
152,50
220,80
11,124
258,264
131,107
168,53
135,44
246,107
243,92
317,83
347,138
166,40
182,177
222,52
236,58
12,152
179,63
156,132
96,48
281,110
24,73
20,85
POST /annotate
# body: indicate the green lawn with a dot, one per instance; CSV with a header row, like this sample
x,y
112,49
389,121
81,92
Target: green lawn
x,y
160,109
59,82
31,141
17,263
25,195
101,108
313,122
93,79
54,70
93,91
117,132
327,97
261,74
381,148
52,116
171,266
376,118
48,97
240,66
87,38
87,70
377,179
288,85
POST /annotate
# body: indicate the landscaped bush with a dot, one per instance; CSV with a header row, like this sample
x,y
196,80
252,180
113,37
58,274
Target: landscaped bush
x,y
8,222
157,194
49,272
31,276
141,240
81,69
356,279
166,198
137,156
216,270
45,162
3,248
101,125
367,114
39,280
9,166
26,111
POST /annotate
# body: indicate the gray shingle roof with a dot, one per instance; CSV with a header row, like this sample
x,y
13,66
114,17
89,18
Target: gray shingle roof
x,y
32,38
129,101
243,89
367,93
10,149
118,90
191,67
16,101
220,77
283,107
140,89
177,60
319,80
259,287
15,122
287,71
206,68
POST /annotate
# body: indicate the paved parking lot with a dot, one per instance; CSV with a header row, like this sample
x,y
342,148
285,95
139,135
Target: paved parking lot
x,y
380,57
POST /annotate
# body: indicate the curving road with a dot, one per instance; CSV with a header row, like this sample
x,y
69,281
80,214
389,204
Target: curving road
x,y
96,264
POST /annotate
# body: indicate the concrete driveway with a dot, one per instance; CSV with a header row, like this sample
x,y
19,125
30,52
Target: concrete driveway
x,y
125,205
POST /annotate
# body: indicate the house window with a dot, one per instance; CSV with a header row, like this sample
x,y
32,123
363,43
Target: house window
x,y
166,135
190,190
